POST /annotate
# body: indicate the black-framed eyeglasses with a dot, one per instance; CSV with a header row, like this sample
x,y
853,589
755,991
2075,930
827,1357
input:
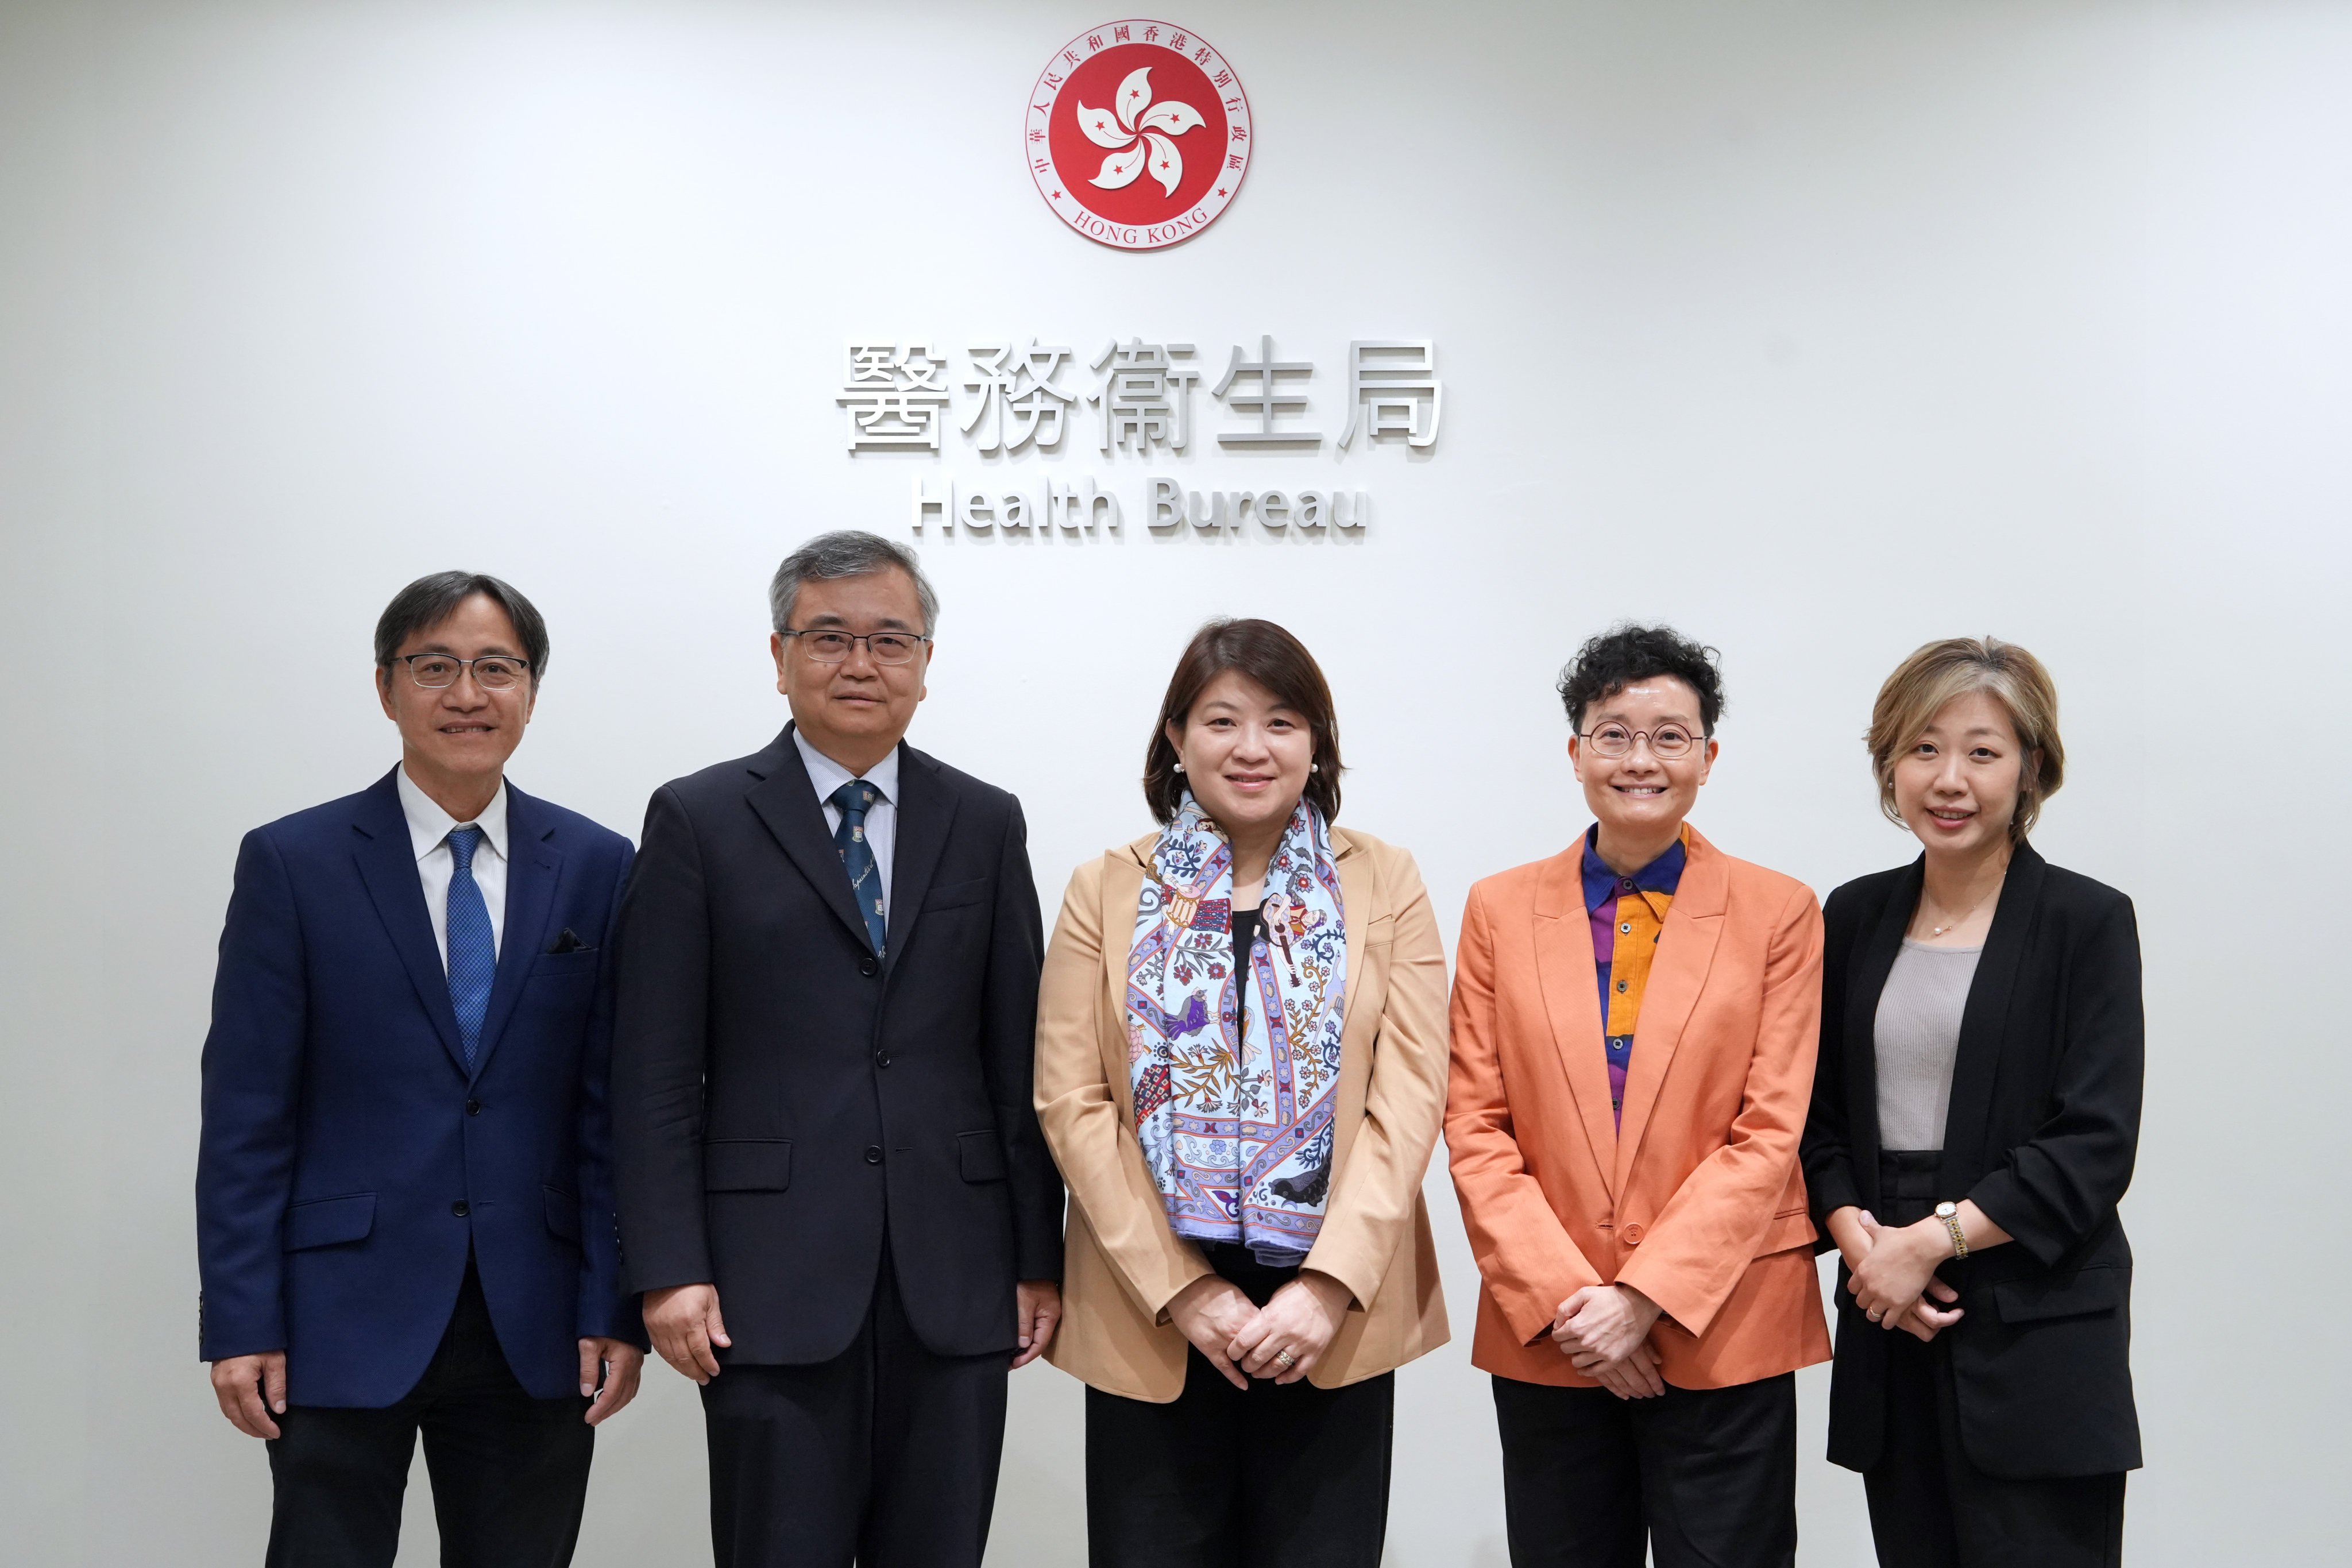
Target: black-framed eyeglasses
x,y
1667,742
492,671
826,645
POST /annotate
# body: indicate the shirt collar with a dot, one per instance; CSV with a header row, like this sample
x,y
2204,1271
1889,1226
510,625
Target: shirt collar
x,y
1662,875
828,775
428,824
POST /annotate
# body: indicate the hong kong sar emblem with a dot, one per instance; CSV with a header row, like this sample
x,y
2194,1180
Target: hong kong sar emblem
x,y
1138,134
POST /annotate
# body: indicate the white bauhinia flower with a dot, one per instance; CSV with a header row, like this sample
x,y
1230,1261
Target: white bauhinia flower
x,y
1137,130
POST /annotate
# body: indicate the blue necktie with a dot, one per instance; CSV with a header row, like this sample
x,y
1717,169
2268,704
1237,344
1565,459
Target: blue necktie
x,y
853,800
473,955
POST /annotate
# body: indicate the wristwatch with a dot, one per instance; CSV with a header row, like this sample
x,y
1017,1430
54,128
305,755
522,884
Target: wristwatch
x,y
1951,1215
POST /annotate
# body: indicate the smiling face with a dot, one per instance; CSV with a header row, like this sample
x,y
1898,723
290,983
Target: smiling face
x,y
1245,754
1957,785
1640,798
460,735
856,711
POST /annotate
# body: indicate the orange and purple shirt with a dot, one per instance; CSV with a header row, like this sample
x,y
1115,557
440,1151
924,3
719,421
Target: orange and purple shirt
x,y
1627,914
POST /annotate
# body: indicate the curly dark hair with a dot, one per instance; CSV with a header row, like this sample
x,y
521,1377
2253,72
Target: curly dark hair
x,y
1276,661
1625,652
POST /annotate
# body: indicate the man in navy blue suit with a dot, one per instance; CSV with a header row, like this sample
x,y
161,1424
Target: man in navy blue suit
x,y
404,1208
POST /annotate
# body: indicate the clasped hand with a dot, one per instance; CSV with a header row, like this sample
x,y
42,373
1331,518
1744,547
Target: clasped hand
x,y
1243,1341
1604,1330
1891,1272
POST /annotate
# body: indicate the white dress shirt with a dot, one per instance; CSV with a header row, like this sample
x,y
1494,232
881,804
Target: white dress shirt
x,y
428,835
881,818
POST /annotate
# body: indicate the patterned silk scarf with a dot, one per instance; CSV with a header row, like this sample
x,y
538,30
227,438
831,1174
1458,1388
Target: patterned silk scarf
x,y
1233,1103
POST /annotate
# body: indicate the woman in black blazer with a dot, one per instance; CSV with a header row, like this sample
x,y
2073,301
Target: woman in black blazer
x,y
1976,1110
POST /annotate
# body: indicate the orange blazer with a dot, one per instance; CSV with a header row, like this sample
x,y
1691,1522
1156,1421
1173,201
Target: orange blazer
x,y
1121,1264
1698,1202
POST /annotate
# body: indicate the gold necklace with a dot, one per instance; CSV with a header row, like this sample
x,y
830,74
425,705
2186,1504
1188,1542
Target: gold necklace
x,y
1934,932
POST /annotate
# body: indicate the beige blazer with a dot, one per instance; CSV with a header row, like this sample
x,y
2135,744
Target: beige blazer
x,y
1121,1263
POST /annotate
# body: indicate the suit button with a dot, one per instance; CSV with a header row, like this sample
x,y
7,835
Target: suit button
x,y
460,1209
473,1108
869,967
1632,1234
873,1155
881,1058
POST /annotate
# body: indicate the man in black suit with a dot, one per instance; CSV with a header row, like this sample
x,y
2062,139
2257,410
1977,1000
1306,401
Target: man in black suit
x,y
828,960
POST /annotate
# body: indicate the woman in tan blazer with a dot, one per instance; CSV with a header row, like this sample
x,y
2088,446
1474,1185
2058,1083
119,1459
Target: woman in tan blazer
x,y
1634,1023
1241,1070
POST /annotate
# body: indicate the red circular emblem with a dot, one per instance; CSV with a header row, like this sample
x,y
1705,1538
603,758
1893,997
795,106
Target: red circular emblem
x,y
1138,134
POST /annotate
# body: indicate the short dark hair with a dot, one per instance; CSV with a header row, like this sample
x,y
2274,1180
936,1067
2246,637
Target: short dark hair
x,y
1274,660
1625,652
847,553
429,601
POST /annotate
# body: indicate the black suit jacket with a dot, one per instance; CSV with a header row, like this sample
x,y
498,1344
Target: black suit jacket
x,y
783,1101
2044,1124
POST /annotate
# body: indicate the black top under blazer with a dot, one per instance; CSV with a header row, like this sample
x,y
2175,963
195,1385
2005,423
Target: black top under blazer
x,y
783,1100
2044,1124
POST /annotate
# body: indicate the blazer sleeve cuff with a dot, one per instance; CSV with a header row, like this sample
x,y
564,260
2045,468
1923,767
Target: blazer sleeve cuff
x,y
1688,1308
221,1347
605,1317
2007,1204
1199,1269
1831,1189
1039,1262
250,1323
646,1275
1362,1283
1531,1308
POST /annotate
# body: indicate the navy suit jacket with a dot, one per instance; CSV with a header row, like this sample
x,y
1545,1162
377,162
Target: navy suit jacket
x,y
349,1160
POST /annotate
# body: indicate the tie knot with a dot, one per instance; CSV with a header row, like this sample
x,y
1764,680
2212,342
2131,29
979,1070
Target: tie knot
x,y
855,799
463,842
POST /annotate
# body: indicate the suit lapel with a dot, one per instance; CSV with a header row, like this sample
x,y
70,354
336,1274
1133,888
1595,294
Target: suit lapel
x,y
387,864
1359,1023
1359,909
785,802
926,816
1122,888
534,872
1881,945
1686,944
1979,1057
1564,970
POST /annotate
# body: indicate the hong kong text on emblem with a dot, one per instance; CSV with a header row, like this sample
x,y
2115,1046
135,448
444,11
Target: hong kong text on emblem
x,y
1138,134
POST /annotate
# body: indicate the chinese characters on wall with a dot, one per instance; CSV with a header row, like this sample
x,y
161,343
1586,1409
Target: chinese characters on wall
x,y
1136,400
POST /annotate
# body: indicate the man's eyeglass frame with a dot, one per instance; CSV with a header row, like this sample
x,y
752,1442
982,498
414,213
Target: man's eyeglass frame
x,y
855,638
465,668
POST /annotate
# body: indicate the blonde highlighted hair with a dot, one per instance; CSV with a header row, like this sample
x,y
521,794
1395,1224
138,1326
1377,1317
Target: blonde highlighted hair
x,y
1956,666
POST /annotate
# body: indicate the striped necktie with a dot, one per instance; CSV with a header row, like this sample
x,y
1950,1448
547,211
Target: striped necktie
x,y
473,954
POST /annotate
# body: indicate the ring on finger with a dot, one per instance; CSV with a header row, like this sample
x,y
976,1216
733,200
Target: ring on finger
x,y
1286,1359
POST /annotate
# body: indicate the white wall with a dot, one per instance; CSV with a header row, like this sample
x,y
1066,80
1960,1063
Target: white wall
x,y
1818,328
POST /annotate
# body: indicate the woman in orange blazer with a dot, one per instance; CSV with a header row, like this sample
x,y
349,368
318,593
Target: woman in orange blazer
x,y
1249,1261
1629,1176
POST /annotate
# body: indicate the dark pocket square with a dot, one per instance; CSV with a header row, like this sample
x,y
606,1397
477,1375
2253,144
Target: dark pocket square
x,y
569,943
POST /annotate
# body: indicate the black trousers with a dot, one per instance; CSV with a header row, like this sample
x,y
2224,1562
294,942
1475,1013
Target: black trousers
x,y
1706,1478
509,1472
1291,1477
1930,1506
885,1455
